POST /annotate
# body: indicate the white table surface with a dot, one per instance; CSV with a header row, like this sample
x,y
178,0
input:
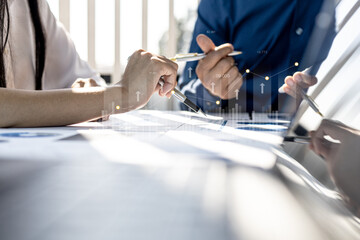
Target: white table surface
x,y
243,184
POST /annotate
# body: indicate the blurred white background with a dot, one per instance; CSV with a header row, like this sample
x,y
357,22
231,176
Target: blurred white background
x,y
107,32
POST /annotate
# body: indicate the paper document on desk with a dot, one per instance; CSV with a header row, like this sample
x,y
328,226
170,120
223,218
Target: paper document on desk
x,y
31,135
184,135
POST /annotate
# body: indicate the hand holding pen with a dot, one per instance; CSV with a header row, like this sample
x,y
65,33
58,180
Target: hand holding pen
x,y
141,77
339,145
189,58
217,71
295,85
216,62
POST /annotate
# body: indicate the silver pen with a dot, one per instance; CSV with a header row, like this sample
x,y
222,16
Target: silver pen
x,y
182,98
311,102
190,57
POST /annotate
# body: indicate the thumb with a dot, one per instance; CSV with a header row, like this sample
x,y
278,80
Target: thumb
x,y
205,43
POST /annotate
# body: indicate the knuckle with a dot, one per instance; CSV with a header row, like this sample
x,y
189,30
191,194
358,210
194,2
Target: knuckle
x,y
136,54
228,46
288,78
234,71
146,54
139,51
227,61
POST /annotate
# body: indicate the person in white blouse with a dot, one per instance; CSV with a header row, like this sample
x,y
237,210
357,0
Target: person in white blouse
x,y
39,65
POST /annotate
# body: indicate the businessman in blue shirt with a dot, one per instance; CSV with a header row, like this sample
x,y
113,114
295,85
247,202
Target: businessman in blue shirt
x,y
272,35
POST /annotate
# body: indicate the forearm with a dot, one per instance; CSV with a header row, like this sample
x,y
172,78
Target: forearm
x,y
20,108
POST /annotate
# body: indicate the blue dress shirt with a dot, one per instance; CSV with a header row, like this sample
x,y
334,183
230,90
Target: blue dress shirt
x,y
272,35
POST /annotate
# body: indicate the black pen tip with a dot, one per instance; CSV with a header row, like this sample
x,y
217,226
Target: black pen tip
x,y
201,112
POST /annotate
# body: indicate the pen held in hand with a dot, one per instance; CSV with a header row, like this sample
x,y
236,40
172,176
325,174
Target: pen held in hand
x,y
182,98
311,102
190,57
298,139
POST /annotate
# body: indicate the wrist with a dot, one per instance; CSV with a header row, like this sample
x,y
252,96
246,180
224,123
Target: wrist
x,y
117,100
